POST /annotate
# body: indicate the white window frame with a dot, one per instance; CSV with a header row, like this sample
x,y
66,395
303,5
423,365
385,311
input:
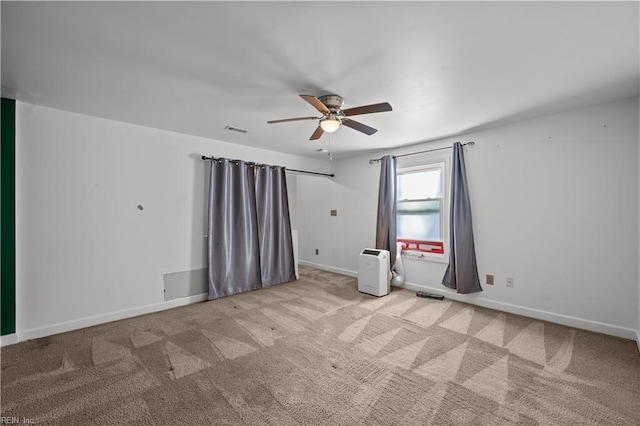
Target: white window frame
x,y
443,163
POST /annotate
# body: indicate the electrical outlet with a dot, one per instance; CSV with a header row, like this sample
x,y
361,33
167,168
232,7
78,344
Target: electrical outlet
x,y
317,251
509,282
334,212
489,279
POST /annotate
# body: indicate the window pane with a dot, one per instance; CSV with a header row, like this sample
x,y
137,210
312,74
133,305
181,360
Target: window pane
x,y
420,185
419,226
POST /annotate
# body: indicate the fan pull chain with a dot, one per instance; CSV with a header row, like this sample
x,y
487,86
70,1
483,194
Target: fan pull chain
x,y
331,151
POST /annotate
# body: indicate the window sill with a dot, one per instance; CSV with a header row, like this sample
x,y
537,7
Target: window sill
x,y
424,257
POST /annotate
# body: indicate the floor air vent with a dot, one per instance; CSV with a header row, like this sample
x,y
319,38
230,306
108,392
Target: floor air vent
x,y
235,129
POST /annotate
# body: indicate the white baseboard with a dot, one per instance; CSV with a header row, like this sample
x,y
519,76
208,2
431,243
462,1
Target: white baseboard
x,y
474,299
346,272
36,333
613,330
8,339
581,323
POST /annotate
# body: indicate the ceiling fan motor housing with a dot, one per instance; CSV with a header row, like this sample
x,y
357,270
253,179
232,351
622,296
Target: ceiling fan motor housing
x,y
333,102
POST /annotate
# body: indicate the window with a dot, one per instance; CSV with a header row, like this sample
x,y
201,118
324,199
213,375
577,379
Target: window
x,y
420,208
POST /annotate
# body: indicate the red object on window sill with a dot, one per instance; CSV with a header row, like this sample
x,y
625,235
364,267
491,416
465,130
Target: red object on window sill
x,y
435,247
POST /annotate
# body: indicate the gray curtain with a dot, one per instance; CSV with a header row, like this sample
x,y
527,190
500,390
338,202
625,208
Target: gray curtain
x,y
386,238
234,251
462,272
274,226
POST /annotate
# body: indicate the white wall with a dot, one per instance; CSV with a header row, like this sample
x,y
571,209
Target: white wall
x,y
85,252
555,203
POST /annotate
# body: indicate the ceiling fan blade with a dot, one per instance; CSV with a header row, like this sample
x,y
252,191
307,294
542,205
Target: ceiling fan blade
x,y
315,102
284,120
355,125
316,134
367,109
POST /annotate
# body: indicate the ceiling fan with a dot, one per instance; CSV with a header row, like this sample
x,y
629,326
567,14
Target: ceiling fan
x,y
333,115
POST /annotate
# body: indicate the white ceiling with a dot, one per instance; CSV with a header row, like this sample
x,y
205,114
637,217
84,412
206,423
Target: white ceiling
x,y
196,67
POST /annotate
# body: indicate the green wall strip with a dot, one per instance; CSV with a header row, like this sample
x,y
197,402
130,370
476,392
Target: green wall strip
x,y
7,228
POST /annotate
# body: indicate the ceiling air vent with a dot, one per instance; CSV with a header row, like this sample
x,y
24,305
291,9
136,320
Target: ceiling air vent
x,y
235,129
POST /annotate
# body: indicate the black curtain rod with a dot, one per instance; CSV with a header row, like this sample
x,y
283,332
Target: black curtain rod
x,y
375,160
204,157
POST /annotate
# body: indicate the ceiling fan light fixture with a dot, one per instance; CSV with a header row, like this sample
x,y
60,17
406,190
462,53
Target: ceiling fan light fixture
x,y
330,123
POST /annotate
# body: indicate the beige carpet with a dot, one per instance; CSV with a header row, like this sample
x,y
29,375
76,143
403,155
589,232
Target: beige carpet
x,y
317,352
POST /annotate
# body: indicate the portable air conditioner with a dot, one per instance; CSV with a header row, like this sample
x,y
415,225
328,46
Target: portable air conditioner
x,y
373,272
